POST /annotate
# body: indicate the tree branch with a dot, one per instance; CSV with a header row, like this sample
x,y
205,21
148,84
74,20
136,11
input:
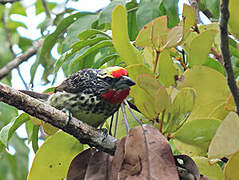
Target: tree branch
x,y
83,132
8,1
224,16
20,59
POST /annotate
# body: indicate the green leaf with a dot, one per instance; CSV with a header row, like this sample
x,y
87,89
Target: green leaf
x,y
126,50
8,130
29,129
200,47
78,46
14,166
24,43
50,41
83,23
210,92
53,158
167,69
102,44
214,64
212,171
197,131
147,11
212,6
5,54
191,150
170,8
233,20
103,60
225,142
131,17
106,14
35,137
18,8
7,113
91,32
180,109
40,8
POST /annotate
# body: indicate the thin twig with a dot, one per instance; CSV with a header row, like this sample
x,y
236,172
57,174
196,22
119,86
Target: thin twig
x,y
130,110
224,14
22,79
83,132
217,56
116,123
20,59
48,13
111,124
125,118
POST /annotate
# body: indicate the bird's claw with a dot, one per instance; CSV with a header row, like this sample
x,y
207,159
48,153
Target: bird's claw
x,y
69,115
104,131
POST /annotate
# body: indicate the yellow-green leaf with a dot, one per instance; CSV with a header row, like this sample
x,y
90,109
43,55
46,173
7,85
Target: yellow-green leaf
x,y
189,17
231,169
53,158
190,150
48,128
200,47
174,37
225,142
233,20
211,90
137,69
167,69
126,50
153,34
212,171
180,109
197,131
158,94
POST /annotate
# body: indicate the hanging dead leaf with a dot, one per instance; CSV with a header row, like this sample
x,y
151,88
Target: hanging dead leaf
x,y
146,155
90,165
78,167
99,167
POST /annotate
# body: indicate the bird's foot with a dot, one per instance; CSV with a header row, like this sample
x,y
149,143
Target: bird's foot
x,y
104,131
69,115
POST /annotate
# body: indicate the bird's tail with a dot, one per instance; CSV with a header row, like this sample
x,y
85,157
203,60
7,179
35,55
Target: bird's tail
x,y
36,95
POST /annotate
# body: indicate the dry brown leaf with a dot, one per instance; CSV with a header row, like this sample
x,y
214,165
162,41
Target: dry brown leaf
x,y
79,164
99,167
147,155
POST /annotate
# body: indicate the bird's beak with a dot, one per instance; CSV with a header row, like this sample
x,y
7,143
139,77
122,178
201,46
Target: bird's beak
x,y
124,82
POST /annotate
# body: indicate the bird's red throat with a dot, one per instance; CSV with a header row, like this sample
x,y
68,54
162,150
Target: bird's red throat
x,y
115,97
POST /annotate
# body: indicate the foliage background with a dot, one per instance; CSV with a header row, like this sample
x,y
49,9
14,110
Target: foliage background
x,y
196,111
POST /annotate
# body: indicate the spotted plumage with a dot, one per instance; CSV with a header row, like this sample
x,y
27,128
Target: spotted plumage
x,y
92,95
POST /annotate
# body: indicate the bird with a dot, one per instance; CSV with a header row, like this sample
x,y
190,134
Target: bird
x,y
90,95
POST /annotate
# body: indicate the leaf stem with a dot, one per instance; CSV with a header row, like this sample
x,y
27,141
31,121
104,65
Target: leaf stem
x,y
156,60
